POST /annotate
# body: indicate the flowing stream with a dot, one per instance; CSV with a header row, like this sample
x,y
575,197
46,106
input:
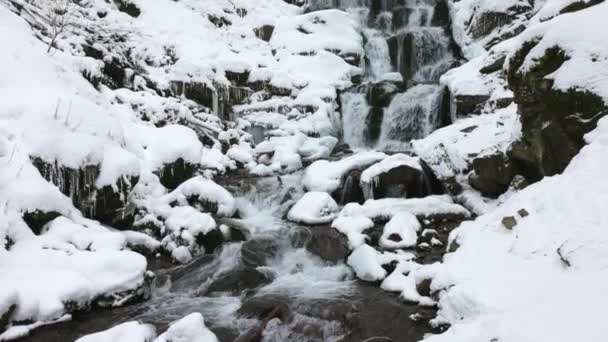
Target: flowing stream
x,y
272,283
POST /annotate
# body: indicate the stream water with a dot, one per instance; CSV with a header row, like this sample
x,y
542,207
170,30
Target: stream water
x,y
270,283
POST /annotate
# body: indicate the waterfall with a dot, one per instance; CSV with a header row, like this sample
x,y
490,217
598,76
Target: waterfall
x,y
411,115
408,44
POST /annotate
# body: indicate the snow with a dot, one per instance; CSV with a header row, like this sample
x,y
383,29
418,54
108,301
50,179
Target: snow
x,y
386,208
353,227
366,262
75,267
327,176
206,191
126,332
314,208
405,226
567,214
388,164
188,329
587,64
450,150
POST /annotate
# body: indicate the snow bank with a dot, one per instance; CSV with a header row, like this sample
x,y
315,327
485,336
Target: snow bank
x,y
386,208
327,176
560,239
314,208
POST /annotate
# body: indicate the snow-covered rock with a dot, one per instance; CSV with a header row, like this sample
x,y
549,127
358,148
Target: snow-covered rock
x,y
400,232
126,332
438,206
366,262
188,329
314,208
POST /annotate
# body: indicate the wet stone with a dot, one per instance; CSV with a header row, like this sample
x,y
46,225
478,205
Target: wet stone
x,y
509,222
258,252
238,280
324,242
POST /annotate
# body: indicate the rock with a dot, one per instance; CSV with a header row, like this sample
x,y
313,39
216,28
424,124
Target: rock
x,y
424,287
519,183
402,181
264,32
210,241
350,190
265,307
376,313
493,174
128,7
108,204
523,213
325,242
258,252
469,104
509,222
238,280
6,317
37,219
173,174
553,121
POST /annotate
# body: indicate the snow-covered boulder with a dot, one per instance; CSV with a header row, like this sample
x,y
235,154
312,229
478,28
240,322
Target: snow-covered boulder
x,y
367,263
330,176
400,232
314,208
399,175
353,227
190,328
557,70
430,207
126,332
204,194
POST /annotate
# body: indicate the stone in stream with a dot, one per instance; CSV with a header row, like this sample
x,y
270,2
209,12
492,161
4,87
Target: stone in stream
x,y
509,222
257,252
322,241
237,280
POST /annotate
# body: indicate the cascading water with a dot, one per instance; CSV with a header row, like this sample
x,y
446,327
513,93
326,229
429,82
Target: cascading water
x,y
407,45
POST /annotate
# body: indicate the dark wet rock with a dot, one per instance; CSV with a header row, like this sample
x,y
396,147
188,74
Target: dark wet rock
x,y
324,242
493,174
108,204
553,121
265,307
523,213
350,191
219,21
6,317
128,7
37,219
424,287
494,65
257,252
509,222
390,267
469,104
579,5
404,182
376,313
219,98
238,280
210,241
380,94
174,174
519,183
373,123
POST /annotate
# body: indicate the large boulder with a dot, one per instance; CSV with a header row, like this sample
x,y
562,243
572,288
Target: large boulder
x,y
559,97
492,174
